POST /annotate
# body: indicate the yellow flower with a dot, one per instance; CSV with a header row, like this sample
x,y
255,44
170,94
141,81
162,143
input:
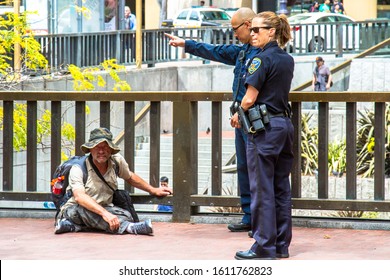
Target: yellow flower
x,y
371,145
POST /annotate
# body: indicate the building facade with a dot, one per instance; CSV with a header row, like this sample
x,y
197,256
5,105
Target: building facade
x,y
79,16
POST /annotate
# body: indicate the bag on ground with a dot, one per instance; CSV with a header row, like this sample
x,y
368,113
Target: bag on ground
x,y
60,181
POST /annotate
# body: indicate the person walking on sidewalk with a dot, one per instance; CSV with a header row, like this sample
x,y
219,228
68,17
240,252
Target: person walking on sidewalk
x,y
322,77
239,56
90,208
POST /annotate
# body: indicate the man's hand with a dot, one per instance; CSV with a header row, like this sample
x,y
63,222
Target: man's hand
x,y
175,41
161,191
112,220
234,122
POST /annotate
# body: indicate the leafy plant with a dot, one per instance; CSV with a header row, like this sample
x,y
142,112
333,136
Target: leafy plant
x,y
366,143
337,158
43,127
355,214
15,30
112,68
84,79
337,150
348,214
309,146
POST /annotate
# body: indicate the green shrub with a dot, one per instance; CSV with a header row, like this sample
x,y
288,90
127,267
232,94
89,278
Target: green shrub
x,y
309,146
366,143
337,158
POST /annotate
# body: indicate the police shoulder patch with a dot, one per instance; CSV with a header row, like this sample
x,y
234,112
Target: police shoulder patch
x,y
256,62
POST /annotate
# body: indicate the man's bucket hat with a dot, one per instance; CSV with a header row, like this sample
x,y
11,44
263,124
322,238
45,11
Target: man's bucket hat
x,y
97,136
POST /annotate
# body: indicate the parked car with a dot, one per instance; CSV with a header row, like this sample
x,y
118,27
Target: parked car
x,y
197,17
316,32
200,17
230,11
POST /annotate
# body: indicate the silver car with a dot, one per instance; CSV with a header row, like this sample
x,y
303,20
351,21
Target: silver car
x,y
199,17
319,32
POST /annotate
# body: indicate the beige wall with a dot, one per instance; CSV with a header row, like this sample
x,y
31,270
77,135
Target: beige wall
x,y
152,14
246,3
361,9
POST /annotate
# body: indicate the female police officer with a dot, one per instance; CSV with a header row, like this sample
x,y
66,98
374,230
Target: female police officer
x,y
269,151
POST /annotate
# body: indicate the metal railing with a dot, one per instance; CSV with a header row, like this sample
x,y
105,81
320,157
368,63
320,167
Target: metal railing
x,y
186,199
90,49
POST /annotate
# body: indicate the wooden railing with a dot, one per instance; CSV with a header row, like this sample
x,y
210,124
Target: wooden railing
x,y
186,199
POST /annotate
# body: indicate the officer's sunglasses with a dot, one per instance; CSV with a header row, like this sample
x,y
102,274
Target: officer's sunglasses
x,y
236,28
256,29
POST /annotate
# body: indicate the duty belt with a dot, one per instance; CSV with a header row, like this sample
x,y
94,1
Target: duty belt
x,y
284,114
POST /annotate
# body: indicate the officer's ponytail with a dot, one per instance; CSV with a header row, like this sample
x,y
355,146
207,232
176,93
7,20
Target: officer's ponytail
x,y
281,25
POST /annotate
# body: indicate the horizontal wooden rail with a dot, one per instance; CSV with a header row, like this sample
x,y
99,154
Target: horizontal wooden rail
x,y
187,200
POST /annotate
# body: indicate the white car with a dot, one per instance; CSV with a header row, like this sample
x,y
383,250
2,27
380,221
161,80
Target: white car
x,y
318,32
189,20
199,17
230,11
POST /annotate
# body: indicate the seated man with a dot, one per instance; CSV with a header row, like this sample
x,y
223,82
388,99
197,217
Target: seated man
x,y
90,207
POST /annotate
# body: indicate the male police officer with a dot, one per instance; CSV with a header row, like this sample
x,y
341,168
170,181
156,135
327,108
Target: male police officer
x,y
237,55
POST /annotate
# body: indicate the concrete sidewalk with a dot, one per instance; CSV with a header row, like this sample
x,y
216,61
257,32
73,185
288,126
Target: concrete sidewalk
x,y
33,239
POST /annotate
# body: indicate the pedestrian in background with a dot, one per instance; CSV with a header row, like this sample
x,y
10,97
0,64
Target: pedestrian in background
x,y
325,7
130,20
315,7
322,78
338,7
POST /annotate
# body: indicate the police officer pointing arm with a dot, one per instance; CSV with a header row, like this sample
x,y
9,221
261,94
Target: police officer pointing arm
x,y
239,56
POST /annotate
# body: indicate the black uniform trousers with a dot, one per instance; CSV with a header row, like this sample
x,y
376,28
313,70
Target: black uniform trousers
x,y
270,157
242,175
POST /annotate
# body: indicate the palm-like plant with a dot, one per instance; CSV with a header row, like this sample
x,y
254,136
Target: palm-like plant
x,y
337,151
309,146
366,143
337,157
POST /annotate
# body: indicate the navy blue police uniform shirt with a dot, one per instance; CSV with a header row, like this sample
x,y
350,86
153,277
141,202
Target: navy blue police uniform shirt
x,y
227,54
271,72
